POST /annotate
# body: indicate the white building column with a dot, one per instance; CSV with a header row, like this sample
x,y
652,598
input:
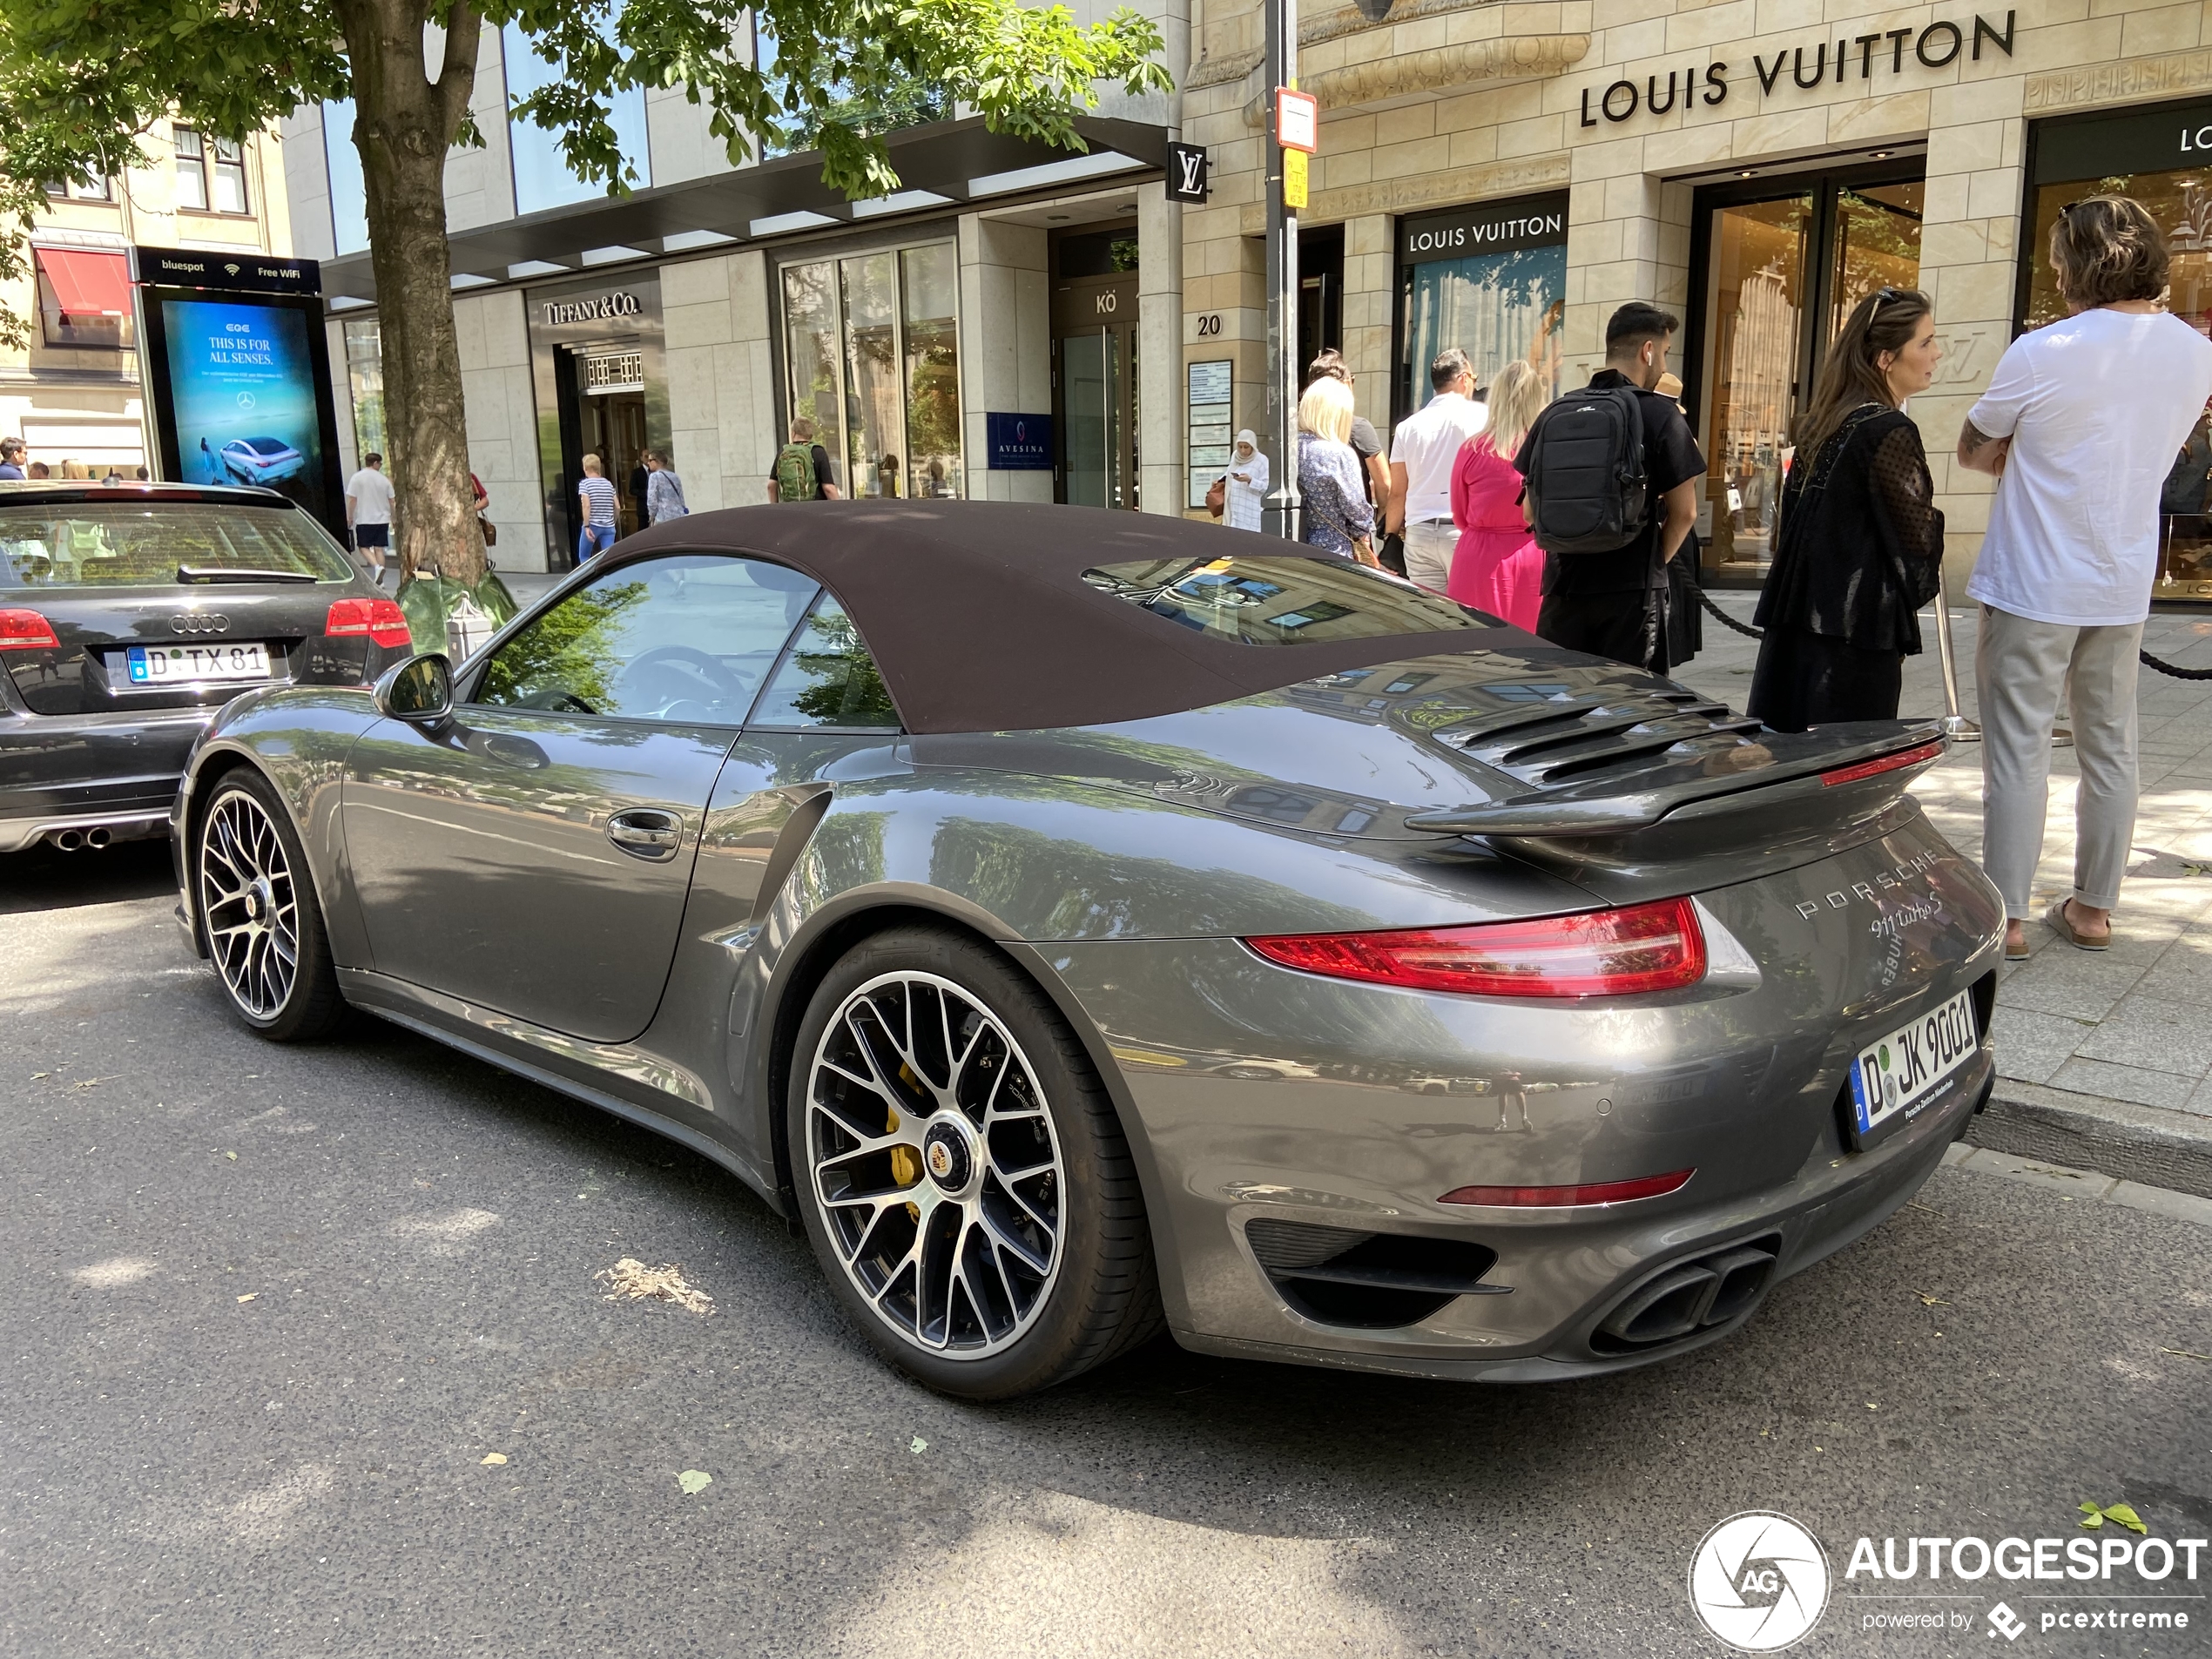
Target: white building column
x,y
1160,431
494,335
1005,345
721,379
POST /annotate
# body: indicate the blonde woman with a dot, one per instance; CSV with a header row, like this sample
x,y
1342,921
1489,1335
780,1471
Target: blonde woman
x,y
1497,566
1338,518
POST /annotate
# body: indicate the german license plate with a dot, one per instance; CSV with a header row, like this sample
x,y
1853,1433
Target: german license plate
x,y
179,665
1892,1080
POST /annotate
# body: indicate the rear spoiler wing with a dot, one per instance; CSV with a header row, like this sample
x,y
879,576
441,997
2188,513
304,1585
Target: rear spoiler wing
x,y
1780,771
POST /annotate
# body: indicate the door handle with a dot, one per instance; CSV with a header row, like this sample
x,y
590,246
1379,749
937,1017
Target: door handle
x,y
645,833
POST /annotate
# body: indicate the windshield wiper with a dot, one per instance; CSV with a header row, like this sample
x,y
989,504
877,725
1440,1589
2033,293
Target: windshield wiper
x,y
227,573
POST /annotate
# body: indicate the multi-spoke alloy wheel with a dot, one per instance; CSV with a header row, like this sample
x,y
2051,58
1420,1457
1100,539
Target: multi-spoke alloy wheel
x,y
257,913
935,1164
246,893
962,1172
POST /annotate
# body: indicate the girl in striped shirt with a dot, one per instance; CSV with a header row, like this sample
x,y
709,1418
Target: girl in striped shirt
x,y
597,497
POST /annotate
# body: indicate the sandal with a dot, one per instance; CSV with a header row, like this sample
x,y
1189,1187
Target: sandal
x,y
2016,952
2055,919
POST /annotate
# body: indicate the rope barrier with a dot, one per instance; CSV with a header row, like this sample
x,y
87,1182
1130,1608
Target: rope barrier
x,y
2150,661
1748,631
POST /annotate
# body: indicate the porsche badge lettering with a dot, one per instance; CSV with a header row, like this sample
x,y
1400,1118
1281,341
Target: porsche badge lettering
x,y
1869,891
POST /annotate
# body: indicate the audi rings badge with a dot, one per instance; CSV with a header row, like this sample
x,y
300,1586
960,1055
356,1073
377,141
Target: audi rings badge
x,y
199,622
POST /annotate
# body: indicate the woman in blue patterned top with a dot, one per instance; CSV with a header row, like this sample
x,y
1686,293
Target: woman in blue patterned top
x,y
1338,518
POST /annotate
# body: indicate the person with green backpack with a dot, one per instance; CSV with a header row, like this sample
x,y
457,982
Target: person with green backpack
x,y
802,470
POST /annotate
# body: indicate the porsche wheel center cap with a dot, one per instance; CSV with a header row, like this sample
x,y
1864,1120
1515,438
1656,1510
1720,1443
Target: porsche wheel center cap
x,y
949,1157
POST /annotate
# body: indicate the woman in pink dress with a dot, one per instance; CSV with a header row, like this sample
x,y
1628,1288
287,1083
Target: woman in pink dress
x,y
1497,566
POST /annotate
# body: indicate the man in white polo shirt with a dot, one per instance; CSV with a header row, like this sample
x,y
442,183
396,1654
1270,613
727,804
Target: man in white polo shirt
x,y
1423,451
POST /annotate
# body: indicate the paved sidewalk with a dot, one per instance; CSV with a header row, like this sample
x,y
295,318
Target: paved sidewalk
x,y
2104,1060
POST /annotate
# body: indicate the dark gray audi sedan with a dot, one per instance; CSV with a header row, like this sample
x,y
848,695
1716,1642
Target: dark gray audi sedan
x,y
1084,923
129,614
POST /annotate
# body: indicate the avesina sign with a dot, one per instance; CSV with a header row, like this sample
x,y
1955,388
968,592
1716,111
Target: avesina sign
x,y
1841,61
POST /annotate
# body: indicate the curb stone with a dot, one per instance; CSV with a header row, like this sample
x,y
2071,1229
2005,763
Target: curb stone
x,y
2148,1146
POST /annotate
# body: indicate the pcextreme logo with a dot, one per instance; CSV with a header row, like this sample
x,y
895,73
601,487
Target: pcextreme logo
x,y
1760,1582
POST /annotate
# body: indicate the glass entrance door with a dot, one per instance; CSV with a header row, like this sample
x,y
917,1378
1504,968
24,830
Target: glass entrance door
x,y
1783,263
1094,393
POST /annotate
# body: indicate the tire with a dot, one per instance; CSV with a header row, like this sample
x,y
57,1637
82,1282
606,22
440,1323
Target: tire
x,y
927,1065
254,896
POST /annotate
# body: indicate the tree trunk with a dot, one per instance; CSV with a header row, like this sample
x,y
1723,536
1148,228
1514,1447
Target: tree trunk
x,y
403,124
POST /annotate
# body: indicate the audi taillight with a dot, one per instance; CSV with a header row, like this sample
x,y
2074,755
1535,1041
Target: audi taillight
x,y
26,630
381,619
1881,764
1656,947
1644,1186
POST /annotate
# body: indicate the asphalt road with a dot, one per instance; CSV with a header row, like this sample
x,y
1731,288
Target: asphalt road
x,y
270,1309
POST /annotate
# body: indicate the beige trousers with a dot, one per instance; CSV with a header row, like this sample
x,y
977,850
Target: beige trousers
x,y
2020,670
1429,547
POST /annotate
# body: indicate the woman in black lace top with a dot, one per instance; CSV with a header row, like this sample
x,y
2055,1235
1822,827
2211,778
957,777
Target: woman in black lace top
x,y
1862,541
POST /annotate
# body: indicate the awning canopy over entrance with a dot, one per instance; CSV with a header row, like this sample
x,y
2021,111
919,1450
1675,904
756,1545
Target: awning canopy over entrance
x,y
944,163
88,283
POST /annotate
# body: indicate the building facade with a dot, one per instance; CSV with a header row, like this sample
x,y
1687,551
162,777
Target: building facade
x,y
1501,174
985,333
72,393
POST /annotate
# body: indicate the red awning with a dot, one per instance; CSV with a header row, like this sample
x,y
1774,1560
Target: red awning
x,y
88,284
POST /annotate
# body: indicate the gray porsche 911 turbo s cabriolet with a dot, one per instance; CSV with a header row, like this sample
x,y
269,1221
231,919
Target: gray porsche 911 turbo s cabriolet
x,y
1081,922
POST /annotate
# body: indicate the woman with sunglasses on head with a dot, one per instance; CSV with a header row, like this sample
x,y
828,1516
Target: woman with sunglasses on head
x,y
1861,547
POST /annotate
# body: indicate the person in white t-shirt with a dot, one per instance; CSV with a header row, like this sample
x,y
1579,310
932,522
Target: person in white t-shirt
x,y
1424,451
2079,425
368,510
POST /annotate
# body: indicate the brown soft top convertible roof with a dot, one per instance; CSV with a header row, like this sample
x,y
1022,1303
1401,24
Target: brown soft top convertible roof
x,y
978,615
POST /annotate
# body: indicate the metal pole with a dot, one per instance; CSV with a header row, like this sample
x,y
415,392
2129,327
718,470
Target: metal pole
x,y
1279,512
1955,725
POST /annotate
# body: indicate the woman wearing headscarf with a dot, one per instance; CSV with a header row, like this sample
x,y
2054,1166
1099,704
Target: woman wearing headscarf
x,y
1244,484
1333,500
1861,548
1497,566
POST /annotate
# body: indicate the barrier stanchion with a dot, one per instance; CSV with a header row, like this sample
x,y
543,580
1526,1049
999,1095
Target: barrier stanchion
x,y
1956,726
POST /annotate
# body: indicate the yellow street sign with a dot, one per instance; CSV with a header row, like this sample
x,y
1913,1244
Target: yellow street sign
x,y
1293,178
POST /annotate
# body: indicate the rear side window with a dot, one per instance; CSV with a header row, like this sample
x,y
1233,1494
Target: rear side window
x,y
130,545
1259,600
827,678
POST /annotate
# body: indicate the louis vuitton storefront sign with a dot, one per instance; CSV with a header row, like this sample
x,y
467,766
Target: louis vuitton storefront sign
x,y
1883,54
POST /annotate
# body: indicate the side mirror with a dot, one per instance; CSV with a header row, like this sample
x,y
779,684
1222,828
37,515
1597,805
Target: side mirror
x,y
420,690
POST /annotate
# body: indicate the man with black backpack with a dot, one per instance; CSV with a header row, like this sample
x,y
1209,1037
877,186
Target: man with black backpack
x,y
1613,473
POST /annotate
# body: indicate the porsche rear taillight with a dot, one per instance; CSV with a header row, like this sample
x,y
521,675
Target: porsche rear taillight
x,y
381,619
1656,947
1881,764
26,630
